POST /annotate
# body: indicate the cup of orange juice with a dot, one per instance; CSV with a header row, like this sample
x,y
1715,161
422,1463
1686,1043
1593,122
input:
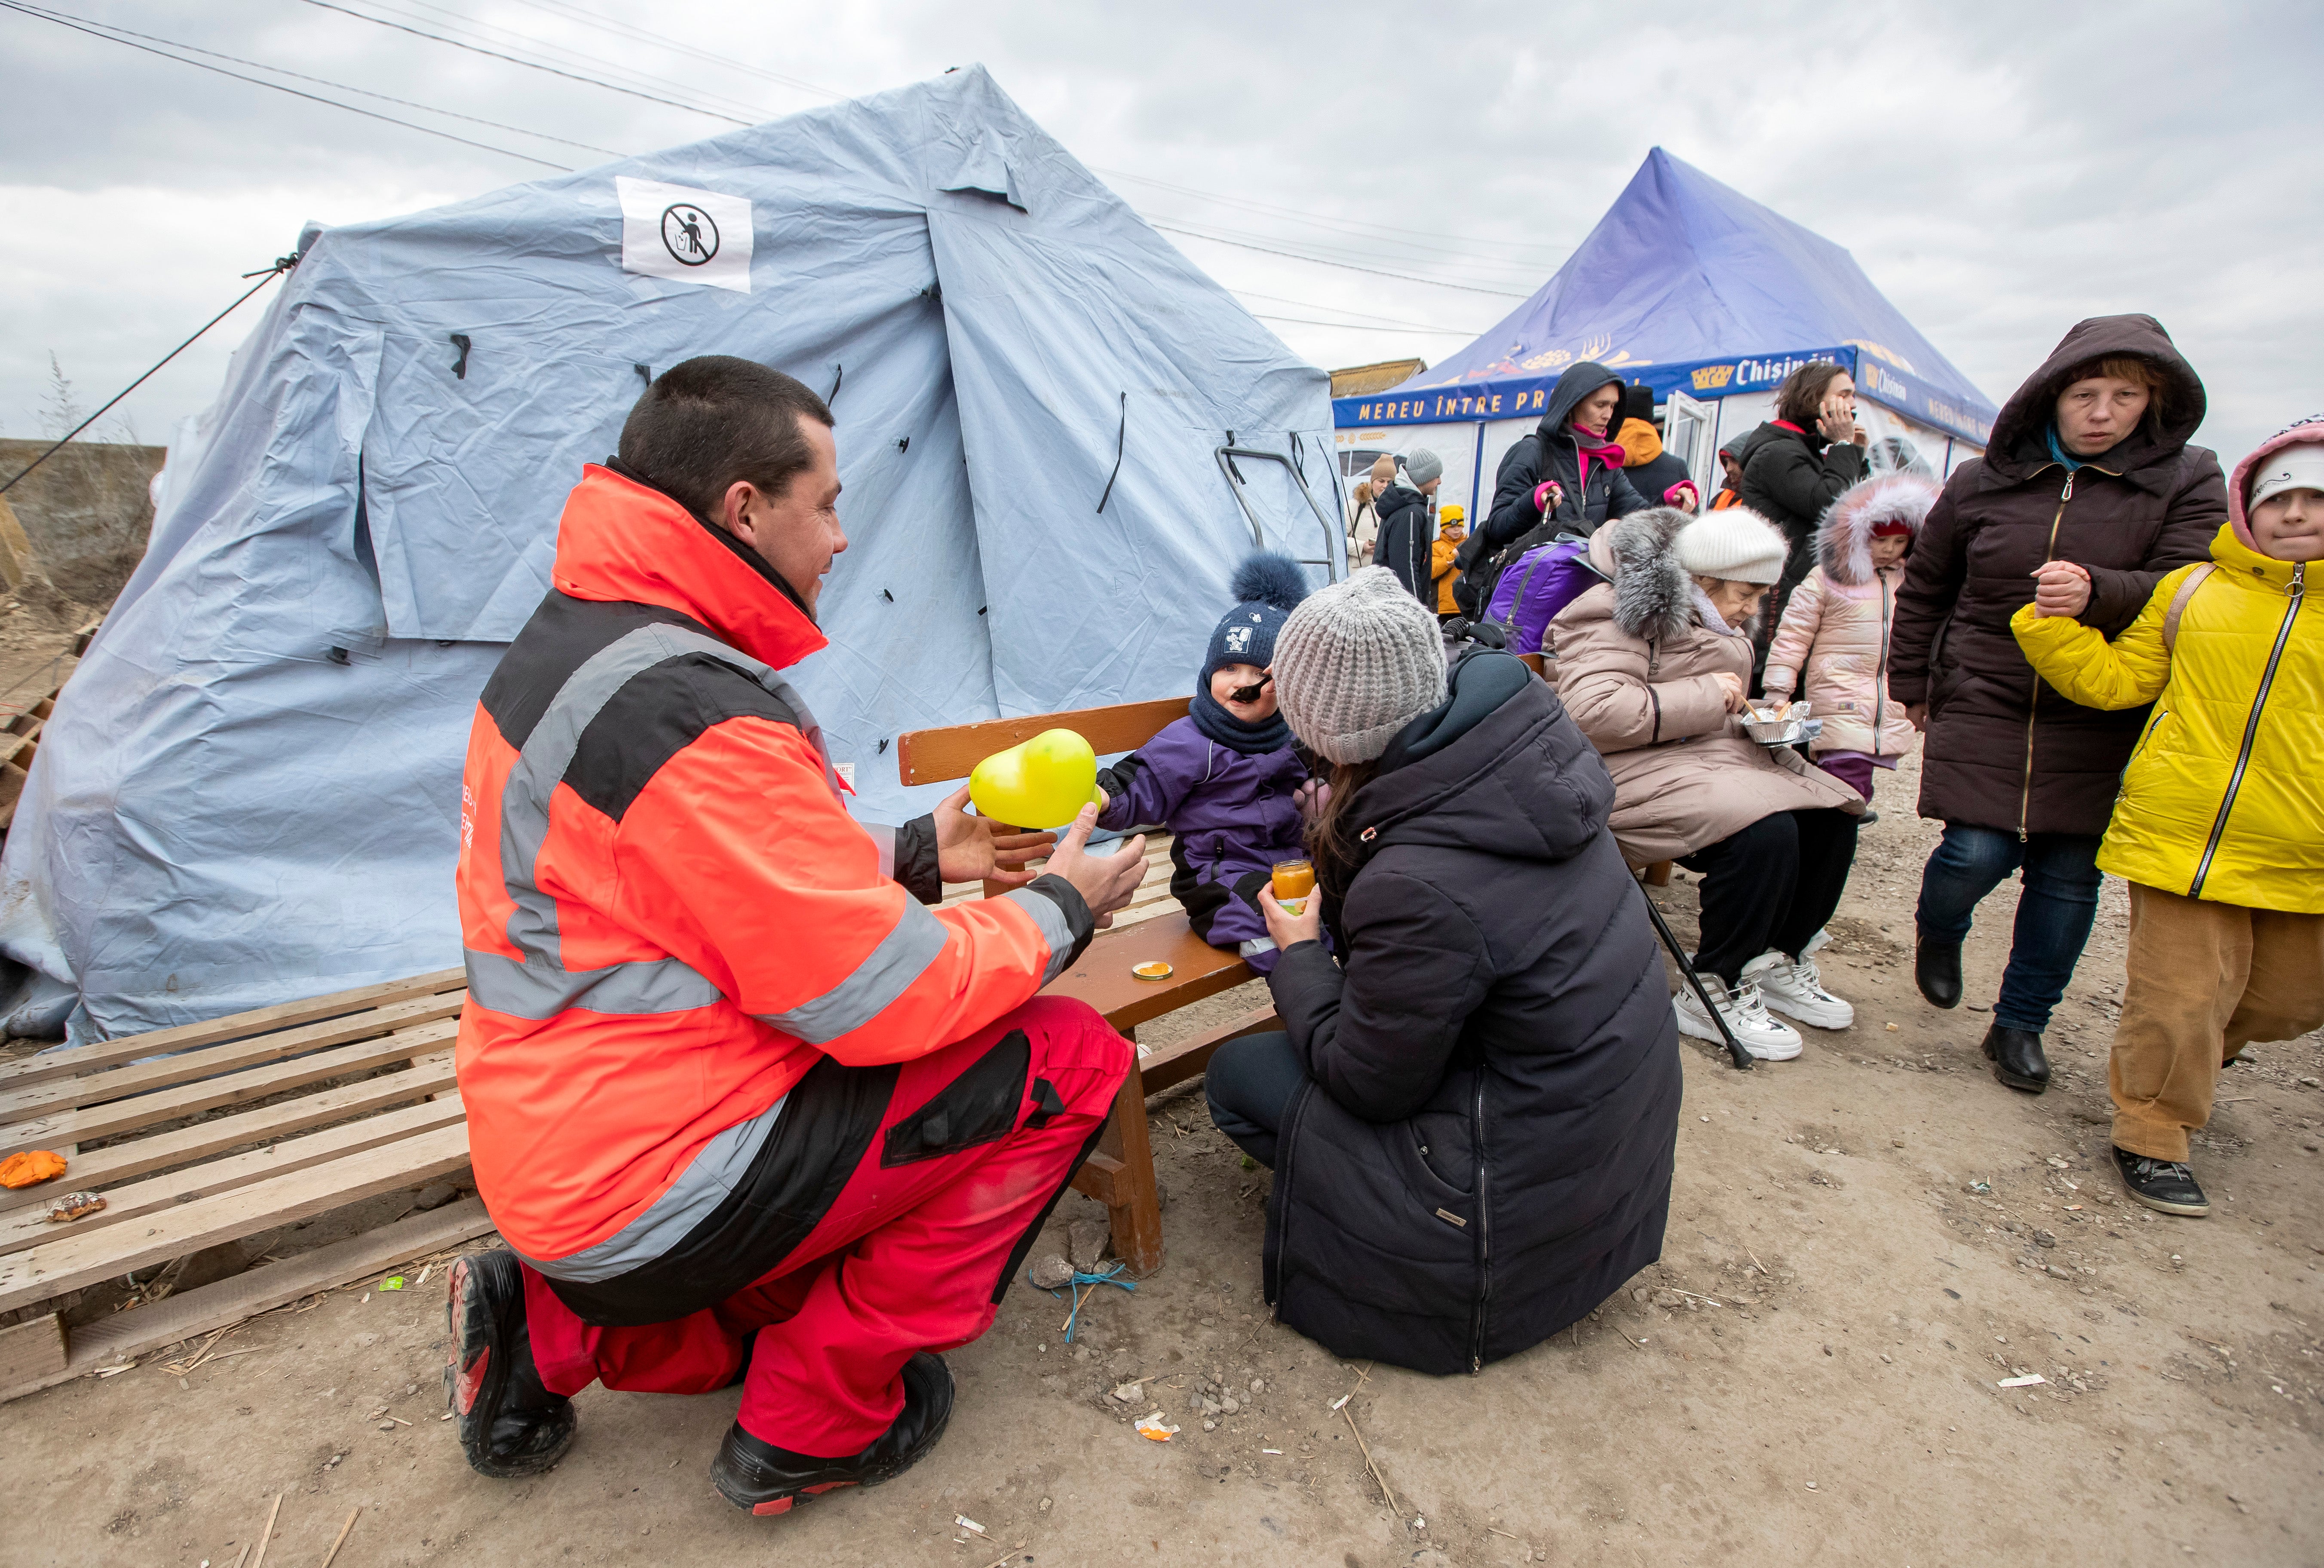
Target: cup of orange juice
x,y
1294,880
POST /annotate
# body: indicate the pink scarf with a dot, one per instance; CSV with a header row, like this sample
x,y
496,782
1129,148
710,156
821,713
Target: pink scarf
x,y
1609,454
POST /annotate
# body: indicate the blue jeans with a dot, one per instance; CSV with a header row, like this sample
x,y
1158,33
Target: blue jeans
x,y
2054,911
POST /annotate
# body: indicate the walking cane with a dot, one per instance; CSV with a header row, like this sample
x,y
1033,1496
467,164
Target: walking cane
x,y
1662,929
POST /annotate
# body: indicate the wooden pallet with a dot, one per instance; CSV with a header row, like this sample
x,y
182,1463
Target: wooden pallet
x,y
215,1132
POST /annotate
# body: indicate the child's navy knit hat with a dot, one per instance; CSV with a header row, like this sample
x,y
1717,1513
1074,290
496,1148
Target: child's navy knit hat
x,y
1266,587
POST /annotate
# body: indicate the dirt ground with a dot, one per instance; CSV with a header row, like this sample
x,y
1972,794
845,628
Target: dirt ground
x,y
1862,1243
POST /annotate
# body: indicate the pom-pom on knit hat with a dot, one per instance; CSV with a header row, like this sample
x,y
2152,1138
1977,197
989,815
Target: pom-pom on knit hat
x,y
1266,586
1736,543
1357,662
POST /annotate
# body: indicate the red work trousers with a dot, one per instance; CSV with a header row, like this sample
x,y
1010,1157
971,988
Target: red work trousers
x,y
908,1259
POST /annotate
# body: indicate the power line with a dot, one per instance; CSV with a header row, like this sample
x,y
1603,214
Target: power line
x,y
1321,261
1353,327
320,81
571,13
1367,315
278,86
1346,226
281,266
528,64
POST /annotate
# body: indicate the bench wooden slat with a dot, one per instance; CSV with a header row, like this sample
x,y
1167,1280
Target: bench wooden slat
x,y
1191,1057
30,1227
179,1316
72,1261
123,1161
208,1061
89,1123
1101,976
68,1060
939,756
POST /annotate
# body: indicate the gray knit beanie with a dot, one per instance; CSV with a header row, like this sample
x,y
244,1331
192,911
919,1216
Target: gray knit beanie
x,y
1355,663
1421,465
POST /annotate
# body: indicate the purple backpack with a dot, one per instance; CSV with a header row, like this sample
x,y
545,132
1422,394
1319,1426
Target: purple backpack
x,y
1537,585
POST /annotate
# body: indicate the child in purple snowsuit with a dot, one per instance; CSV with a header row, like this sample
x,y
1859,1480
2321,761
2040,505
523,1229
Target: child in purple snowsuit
x,y
1226,780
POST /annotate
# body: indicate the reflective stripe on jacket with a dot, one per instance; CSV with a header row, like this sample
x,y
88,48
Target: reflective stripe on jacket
x,y
669,914
2222,800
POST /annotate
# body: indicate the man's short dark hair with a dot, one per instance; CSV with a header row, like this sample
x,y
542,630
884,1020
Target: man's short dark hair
x,y
709,423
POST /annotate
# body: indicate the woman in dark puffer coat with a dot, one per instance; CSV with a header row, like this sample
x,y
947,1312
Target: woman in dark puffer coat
x,y
2088,495
1471,1124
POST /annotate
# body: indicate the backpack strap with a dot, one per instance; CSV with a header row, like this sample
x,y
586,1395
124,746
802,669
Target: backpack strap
x,y
2187,587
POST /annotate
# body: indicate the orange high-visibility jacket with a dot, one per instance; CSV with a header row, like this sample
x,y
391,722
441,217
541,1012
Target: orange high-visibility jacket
x,y
669,914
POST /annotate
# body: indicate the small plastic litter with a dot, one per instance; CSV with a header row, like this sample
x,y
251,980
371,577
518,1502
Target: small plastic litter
x,y
1155,1427
2027,1382
965,1523
392,1282
1341,1400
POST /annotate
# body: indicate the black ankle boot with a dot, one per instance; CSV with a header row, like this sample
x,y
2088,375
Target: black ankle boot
x,y
509,1425
2018,1059
754,1474
1936,970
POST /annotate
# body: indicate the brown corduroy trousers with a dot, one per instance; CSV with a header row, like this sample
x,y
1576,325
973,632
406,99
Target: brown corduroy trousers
x,y
2205,980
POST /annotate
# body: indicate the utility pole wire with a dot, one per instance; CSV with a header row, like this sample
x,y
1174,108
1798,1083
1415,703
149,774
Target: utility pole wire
x,y
278,86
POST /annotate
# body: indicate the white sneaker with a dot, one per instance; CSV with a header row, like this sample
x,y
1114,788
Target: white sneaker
x,y
1795,989
1768,1038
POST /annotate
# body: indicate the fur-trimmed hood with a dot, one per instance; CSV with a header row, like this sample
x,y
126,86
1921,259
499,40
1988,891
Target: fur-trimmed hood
x,y
1653,598
1844,537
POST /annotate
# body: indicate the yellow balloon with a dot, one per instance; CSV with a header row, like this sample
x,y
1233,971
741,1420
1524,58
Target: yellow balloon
x,y
1040,783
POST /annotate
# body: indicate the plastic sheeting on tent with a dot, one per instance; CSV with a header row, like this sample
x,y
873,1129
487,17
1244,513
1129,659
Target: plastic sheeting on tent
x,y
1688,285
251,787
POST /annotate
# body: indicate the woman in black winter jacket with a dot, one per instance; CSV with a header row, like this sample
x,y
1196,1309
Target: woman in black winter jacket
x,y
1471,1124
1566,477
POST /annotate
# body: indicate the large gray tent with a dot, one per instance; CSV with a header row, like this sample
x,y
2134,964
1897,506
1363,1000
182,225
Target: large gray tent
x,y
251,788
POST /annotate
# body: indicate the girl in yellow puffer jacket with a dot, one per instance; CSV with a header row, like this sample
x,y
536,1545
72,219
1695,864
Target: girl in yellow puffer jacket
x,y
2220,825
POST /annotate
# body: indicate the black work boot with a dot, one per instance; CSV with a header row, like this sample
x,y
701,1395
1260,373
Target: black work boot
x,y
757,1475
2018,1059
1936,970
509,1425
2164,1185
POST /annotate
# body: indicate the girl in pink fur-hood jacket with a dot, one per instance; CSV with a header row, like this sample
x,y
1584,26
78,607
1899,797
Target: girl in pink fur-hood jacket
x,y
1833,641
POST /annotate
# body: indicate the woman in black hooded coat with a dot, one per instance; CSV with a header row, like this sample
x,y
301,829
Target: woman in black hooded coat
x,y
1471,1124
1582,462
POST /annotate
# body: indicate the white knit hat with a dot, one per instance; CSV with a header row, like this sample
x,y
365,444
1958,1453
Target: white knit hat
x,y
1736,544
2299,466
1355,663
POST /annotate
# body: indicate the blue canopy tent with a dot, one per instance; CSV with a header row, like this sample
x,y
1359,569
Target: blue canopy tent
x,y
251,787
1688,287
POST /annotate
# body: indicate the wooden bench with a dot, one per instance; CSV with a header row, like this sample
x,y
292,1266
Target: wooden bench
x,y
217,1132
1120,1172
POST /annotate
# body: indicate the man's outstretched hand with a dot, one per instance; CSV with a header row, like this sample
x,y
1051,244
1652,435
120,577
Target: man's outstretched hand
x,y
969,851
1105,881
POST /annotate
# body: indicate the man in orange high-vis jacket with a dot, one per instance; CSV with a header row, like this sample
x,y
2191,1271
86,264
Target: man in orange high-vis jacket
x,y
742,1108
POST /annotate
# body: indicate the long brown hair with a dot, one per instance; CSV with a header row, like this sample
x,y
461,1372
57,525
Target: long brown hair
x,y
1799,400
1329,843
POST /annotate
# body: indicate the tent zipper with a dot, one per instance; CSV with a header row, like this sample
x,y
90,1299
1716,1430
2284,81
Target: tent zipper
x,y
1484,1228
2033,700
2298,591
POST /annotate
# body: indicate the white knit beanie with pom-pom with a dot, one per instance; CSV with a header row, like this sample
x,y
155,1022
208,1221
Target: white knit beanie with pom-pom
x,y
1355,663
1736,544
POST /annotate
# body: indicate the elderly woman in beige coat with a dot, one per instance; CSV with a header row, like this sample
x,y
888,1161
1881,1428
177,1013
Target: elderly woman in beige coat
x,y
1652,664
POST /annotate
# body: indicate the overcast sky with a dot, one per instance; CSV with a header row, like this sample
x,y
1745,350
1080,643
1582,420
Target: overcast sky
x,y
2000,172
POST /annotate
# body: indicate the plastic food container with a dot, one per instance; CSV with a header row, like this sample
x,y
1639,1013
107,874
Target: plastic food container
x,y
1153,970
